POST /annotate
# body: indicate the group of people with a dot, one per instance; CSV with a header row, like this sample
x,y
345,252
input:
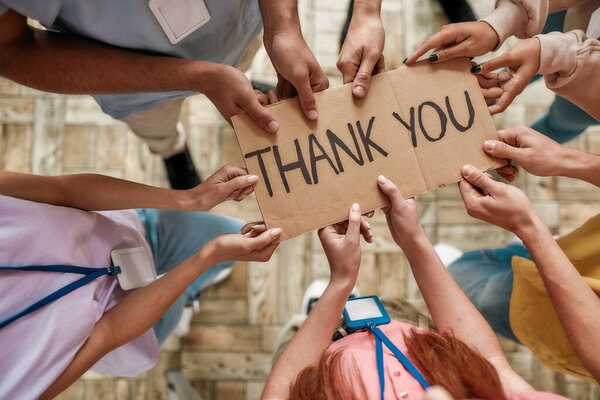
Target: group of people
x,y
538,291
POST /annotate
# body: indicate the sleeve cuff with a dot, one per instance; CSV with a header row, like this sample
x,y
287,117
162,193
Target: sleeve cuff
x,y
507,19
558,52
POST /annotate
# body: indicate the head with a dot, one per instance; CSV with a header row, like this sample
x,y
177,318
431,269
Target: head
x,y
443,359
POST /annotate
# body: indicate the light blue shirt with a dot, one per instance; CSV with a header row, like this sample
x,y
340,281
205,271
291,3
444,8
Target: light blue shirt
x,y
130,24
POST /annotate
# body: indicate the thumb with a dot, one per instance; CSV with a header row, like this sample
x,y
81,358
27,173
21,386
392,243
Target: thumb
x,y
354,222
478,179
501,61
239,183
363,77
306,98
264,239
260,115
390,189
501,150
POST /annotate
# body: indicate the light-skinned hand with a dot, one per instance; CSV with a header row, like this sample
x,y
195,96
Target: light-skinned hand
x,y
465,39
298,71
522,62
230,182
535,152
231,92
495,202
362,52
402,215
253,243
342,247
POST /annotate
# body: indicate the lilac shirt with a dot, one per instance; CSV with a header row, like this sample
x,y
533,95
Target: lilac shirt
x,y
35,349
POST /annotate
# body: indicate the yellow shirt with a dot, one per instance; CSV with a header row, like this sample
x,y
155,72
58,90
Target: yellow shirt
x,y
532,316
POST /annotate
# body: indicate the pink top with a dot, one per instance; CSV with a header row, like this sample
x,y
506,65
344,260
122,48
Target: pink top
x,y
399,383
569,61
35,349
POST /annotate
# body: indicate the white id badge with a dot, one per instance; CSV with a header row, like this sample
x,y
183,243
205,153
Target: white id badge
x,y
136,269
179,18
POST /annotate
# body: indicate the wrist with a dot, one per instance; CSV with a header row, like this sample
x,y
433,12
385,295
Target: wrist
x,y
531,229
574,163
202,75
288,32
414,243
207,256
366,8
343,284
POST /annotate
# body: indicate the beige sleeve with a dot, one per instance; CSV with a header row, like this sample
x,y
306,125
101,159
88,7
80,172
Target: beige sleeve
x,y
570,63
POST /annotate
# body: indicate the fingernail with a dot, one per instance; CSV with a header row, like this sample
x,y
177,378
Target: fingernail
x,y
367,224
355,207
276,232
433,58
252,178
404,62
370,233
476,69
273,126
312,114
471,58
381,180
467,170
359,90
489,145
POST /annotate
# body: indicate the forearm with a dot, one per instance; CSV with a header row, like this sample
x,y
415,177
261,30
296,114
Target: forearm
x,y
367,7
309,343
91,192
62,63
450,308
581,165
574,301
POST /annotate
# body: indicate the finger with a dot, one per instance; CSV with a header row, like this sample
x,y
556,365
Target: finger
x,y
243,193
348,69
256,230
445,36
261,97
390,189
502,150
360,85
239,183
272,97
477,178
231,171
459,50
380,66
248,227
487,81
503,102
354,222
260,115
369,214
503,60
492,93
469,193
365,229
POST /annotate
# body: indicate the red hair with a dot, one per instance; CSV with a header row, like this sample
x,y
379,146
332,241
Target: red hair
x,y
443,359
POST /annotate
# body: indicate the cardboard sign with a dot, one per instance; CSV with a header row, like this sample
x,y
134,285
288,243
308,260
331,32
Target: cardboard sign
x,y
418,126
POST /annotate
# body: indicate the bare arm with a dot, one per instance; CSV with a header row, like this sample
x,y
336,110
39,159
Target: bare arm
x,y
450,308
139,311
314,336
95,192
61,63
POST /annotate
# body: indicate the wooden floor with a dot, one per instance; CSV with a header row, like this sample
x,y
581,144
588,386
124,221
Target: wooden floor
x,y
227,354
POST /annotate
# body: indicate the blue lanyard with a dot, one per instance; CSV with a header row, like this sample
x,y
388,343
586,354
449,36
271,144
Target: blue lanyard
x,y
380,339
89,275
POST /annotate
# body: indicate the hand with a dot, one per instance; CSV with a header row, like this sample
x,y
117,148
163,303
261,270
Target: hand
x,y
361,55
231,92
402,216
253,243
465,39
298,71
342,247
495,202
230,182
535,152
523,62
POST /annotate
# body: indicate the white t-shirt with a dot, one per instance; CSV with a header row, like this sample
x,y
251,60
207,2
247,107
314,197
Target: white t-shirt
x,y
35,349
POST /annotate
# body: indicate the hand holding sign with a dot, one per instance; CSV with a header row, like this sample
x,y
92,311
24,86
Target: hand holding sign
x,y
417,126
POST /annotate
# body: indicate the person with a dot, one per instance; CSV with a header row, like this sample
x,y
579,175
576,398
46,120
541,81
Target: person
x,y
463,356
568,61
47,221
538,291
140,64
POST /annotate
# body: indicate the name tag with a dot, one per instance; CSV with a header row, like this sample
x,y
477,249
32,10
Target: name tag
x,y
179,18
136,268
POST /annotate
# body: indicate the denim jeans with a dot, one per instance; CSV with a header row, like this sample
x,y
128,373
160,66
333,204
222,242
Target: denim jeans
x,y
486,277
174,236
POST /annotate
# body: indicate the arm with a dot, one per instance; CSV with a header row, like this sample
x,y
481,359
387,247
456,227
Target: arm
x,y
98,192
362,52
297,69
542,156
314,336
61,63
450,308
574,301
139,311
